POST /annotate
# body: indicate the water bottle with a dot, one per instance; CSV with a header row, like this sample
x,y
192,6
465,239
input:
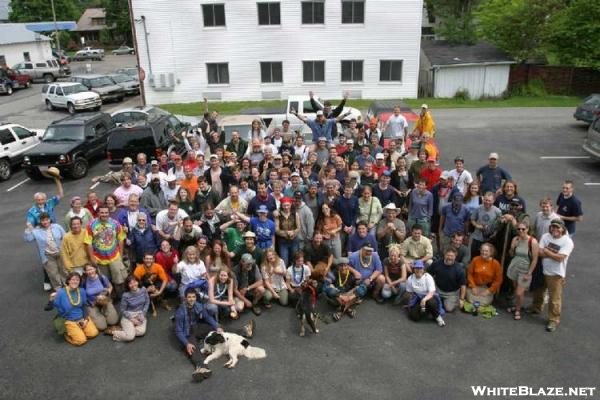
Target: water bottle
x,y
476,308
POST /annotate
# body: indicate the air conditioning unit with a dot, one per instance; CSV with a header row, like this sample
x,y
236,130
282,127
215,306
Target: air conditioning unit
x,y
162,82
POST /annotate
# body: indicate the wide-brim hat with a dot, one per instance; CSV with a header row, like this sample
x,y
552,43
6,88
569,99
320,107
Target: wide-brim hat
x,y
51,172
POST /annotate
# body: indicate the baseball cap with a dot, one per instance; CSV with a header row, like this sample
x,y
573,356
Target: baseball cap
x,y
387,173
322,138
298,193
430,159
314,183
154,162
295,173
262,209
379,156
319,113
341,261
557,222
516,202
424,106
171,178
494,156
249,235
286,200
418,264
214,156
445,175
350,141
247,259
368,247
127,160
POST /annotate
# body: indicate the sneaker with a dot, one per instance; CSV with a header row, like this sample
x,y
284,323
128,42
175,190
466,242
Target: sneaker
x,y
440,321
47,287
256,310
48,306
379,299
248,329
200,374
551,327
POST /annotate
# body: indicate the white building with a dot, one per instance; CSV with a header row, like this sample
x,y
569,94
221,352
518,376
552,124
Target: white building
x,y
253,50
480,69
18,44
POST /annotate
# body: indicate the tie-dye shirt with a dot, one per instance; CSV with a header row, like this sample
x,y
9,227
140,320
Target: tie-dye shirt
x,y
104,237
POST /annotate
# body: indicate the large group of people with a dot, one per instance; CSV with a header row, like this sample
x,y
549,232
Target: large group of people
x,y
233,227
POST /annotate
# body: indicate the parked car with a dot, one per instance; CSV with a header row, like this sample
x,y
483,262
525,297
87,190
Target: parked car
x,y
591,144
11,80
15,140
142,113
61,56
588,109
131,71
88,53
70,144
153,136
129,85
123,50
70,95
101,84
48,70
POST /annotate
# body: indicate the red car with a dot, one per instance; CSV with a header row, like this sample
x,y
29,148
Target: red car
x,y
10,80
383,109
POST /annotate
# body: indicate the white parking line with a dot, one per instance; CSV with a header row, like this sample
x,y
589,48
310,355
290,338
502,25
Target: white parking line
x,y
592,184
94,185
17,185
563,157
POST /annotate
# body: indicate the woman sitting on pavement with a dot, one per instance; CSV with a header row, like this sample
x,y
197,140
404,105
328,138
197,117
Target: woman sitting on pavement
x,y
424,298
273,272
296,275
524,250
484,277
220,295
134,307
69,301
342,289
191,268
99,305
395,273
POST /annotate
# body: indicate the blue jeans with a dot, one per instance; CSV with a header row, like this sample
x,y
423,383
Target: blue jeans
x,y
287,248
214,310
424,222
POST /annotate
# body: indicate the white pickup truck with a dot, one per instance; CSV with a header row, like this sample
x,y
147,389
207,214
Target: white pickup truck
x,y
89,53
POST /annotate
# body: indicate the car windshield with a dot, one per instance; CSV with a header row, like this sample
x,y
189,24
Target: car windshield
x,y
592,100
101,81
67,133
74,89
129,117
121,78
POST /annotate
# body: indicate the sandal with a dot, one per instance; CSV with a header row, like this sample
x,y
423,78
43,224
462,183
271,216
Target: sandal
x,y
351,312
337,316
517,316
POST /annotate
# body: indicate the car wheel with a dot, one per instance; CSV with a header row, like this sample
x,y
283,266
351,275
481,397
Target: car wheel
x,y
4,170
48,78
49,106
80,168
34,173
71,108
9,90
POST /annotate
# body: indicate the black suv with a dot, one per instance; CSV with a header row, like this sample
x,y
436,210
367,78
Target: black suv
x,y
153,136
70,144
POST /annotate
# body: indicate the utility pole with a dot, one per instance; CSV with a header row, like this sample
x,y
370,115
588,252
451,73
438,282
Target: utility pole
x,y
55,26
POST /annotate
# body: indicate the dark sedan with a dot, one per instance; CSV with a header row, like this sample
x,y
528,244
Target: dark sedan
x,y
589,109
129,85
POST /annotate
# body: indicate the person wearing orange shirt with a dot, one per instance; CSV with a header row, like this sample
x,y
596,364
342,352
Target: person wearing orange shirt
x,y
154,278
484,277
190,182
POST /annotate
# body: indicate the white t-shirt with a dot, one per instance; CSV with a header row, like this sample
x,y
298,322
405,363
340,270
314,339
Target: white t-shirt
x,y
277,280
422,285
562,245
298,275
166,224
397,124
462,180
190,272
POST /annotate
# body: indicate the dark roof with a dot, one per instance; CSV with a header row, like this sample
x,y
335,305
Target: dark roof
x,y
441,52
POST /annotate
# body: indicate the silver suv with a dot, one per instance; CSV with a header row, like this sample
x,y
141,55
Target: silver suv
x,y
70,95
48,71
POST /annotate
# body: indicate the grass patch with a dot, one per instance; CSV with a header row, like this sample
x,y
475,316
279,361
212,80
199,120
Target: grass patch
x,y
234,107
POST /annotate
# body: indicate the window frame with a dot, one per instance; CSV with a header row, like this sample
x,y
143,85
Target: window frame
x,y
312,63
268,4
353,4
218,66
391,70
352,80
270,63
214,17
312,2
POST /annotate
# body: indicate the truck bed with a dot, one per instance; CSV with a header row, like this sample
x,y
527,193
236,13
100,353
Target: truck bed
x,y
263,110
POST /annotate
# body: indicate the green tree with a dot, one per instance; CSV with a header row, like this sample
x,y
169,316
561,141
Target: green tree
x,y
573,34
117,14
516,26
40,10
457,23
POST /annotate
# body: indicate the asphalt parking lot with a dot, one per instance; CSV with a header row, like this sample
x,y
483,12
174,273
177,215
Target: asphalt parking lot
x,y
380,354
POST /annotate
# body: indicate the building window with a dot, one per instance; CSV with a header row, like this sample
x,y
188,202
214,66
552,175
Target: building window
x,y
353,12
313,12
271,72
214,14
313,71
26,56
2,60
217,73
352,71
390,70
269,14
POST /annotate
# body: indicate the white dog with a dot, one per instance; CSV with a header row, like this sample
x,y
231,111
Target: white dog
x,y
218,344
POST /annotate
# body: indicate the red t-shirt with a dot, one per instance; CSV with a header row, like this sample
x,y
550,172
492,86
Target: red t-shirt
x,y
432,176
167,262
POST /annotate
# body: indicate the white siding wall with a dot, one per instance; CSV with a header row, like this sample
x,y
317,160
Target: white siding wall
x,y
180,44
39,51
484,80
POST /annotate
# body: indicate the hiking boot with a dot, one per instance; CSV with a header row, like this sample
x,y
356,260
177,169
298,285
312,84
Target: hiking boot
x,y
248,329
47,287
201,373
256,309
551,327
379,299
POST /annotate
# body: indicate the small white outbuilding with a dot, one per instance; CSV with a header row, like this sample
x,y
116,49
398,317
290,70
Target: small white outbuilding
x,y
18,44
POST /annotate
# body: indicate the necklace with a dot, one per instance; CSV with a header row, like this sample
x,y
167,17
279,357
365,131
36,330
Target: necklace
x,y
365,262
340,283
294,274
221,292
74,303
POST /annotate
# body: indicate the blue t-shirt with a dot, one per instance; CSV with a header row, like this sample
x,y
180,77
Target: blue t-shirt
x,y
570,207
365,273
455,222
33,214
264,231
491,178
323,130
